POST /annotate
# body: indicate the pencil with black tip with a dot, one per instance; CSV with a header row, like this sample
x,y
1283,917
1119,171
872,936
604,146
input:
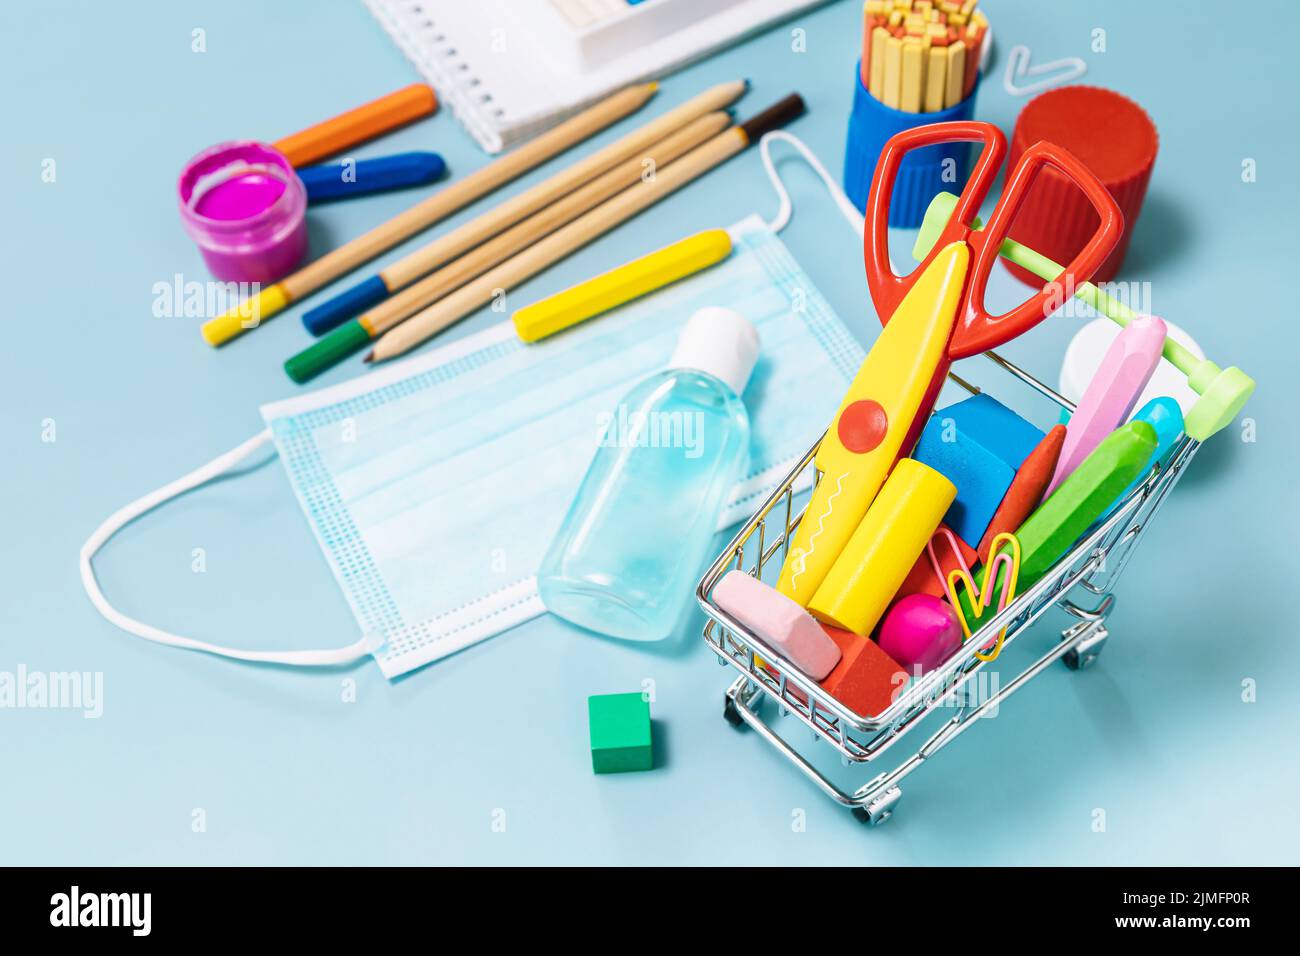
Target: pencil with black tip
x,y
429,322
354,333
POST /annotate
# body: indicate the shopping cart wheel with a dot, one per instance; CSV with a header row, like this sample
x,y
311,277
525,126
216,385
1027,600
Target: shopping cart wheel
x,y
1087,650
877,811
730,712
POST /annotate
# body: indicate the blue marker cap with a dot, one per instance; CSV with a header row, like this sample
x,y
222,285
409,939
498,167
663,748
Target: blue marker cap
x,y
363,177
345,305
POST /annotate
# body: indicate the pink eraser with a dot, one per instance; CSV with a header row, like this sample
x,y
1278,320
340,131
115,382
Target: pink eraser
x,y
920,631
781,623
1112,393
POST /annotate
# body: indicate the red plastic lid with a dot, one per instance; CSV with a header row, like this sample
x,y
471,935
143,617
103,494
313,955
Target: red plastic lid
x,y
1112,136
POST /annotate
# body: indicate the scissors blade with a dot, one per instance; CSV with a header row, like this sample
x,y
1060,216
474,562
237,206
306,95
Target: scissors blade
x,y
867,434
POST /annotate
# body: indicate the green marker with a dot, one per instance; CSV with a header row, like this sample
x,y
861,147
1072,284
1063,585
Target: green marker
x,y
327,351
1068,512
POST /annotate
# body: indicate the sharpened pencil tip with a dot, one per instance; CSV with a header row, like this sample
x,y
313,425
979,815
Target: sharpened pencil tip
x,y
748,84
370,357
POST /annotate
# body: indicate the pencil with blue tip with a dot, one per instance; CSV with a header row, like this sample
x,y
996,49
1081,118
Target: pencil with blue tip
x,y
409,332
407,270
441,282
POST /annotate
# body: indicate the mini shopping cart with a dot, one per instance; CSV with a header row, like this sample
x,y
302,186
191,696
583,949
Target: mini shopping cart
x,y
1080,584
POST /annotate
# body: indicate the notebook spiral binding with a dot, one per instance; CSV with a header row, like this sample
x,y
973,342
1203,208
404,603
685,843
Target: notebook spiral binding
x,y
413,26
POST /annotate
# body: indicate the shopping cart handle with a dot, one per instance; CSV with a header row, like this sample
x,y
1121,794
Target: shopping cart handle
x,y
1224,392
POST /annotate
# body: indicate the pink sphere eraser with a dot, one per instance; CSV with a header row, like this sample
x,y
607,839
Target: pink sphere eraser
x,y
920,631
781,623
1114,390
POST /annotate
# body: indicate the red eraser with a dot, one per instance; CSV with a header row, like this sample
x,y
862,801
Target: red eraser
x,y
866,680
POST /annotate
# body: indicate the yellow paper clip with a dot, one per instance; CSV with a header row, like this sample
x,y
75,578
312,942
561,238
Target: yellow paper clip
x,y
981,597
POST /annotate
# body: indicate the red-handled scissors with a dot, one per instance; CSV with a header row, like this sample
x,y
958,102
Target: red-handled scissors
x,y
975,330
932,317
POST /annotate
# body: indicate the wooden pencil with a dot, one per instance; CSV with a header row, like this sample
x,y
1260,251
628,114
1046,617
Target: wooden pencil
x,y
375,288
420,262
348,256
578,233
518,238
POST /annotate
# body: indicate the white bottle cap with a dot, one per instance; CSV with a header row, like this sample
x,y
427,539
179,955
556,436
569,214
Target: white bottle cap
x,y
721,342
1089,345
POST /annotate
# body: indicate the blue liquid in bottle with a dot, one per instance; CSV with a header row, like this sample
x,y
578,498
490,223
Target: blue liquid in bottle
x,y
636,538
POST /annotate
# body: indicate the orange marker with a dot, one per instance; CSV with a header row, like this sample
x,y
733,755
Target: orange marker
x,y
358,125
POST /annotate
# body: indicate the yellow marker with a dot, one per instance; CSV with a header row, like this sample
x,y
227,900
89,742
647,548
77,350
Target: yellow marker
x,y
873,565
867,432
247,315
622,284
893,72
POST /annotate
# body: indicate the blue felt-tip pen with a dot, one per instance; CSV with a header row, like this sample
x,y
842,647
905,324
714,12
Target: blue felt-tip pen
x,y
349,178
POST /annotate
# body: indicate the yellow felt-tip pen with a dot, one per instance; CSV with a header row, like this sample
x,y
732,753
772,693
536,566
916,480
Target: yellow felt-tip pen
x,y
622,284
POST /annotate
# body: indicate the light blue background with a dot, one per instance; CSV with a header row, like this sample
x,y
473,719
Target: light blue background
x,y
1157,734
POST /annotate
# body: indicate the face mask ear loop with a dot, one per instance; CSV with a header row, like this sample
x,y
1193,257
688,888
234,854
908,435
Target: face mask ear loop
x,y
786,208
116,522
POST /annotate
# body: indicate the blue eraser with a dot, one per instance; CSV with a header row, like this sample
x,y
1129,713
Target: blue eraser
x,y
363,177
345,305
997,427
976,444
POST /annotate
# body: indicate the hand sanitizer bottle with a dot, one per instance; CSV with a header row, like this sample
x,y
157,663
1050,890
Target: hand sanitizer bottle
x,y
636,538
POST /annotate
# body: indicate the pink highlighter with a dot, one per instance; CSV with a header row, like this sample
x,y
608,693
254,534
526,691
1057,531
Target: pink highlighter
x,y
1114,390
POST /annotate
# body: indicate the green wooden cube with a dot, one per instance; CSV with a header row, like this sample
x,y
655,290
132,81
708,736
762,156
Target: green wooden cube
x,y
620,733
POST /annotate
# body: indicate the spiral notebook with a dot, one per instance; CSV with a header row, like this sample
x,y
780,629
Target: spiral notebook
x,y
510,69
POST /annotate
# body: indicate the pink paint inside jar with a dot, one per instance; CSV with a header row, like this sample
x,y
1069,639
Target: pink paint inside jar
x,y
246,209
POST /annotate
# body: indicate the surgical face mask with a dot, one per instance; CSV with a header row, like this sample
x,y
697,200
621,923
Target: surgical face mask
x,y
434,486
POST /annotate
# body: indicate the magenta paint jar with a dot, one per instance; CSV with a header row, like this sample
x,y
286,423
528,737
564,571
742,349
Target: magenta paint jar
x,y
246,208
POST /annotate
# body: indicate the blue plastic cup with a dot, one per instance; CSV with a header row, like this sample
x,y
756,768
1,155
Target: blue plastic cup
x,y
923,173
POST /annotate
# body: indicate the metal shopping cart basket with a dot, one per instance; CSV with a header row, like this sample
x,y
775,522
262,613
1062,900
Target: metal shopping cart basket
x,y
1079,583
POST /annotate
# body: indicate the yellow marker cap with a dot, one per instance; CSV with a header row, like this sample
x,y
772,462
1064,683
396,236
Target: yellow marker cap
x,y
873,565
247,315
622,284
